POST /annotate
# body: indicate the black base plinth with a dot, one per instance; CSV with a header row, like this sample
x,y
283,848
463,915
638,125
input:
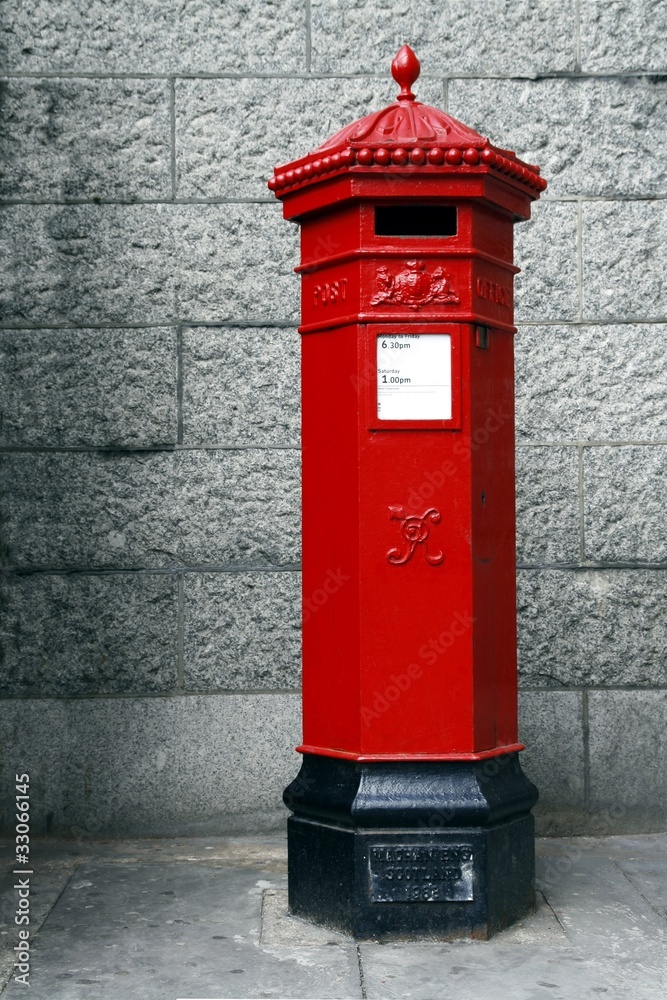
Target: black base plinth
x,y
405,849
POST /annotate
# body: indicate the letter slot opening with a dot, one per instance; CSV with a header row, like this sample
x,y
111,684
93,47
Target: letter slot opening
x,y
415,220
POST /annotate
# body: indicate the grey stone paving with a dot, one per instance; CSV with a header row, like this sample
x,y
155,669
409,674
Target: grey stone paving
x,y
207,918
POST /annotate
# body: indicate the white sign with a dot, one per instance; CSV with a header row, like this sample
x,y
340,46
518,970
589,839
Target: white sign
x,y
414,376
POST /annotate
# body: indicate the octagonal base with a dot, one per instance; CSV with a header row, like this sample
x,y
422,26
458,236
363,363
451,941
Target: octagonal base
x,y
411,849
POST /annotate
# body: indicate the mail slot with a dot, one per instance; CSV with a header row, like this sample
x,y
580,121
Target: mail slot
x,y
410,736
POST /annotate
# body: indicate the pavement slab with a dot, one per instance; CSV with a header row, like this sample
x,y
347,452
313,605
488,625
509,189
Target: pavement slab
x,y
157,931
650,879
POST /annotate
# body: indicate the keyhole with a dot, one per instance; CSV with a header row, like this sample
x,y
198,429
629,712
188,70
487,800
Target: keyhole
x,y
483,499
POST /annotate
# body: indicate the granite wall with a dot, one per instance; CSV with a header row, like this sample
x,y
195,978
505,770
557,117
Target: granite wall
x,y
150,463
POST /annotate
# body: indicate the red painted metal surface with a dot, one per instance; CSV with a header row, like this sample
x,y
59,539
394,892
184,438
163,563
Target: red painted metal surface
x,y
409,632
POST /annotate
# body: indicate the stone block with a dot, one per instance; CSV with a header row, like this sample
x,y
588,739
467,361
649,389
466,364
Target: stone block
x,y
547,511
139,264
235,262
272,121
624,515
88,387
37,730
150,36
589,137
84,634
628,761
154,509
242,631
241,386
623,36
496,38
88,264
592,627
624,258
213,764
551,724
64,139
546,252
591,383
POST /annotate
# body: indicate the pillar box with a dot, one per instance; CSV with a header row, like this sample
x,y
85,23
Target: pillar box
x,y
411,814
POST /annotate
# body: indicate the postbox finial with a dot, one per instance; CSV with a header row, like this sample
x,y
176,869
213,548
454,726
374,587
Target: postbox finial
x,y
405,70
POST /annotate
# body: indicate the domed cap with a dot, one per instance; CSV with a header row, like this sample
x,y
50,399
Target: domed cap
x,y
405,135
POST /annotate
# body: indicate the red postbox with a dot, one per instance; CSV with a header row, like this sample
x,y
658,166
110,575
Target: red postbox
x,y
411,812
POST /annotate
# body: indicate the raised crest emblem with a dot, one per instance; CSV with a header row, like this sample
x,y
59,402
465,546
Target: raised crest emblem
x,y
414,287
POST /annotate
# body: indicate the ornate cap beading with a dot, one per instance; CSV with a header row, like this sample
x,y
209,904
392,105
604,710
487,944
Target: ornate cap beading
x,y
407,134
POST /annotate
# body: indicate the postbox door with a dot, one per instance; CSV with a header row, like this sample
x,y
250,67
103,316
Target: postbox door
x,y
408,533
436,495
